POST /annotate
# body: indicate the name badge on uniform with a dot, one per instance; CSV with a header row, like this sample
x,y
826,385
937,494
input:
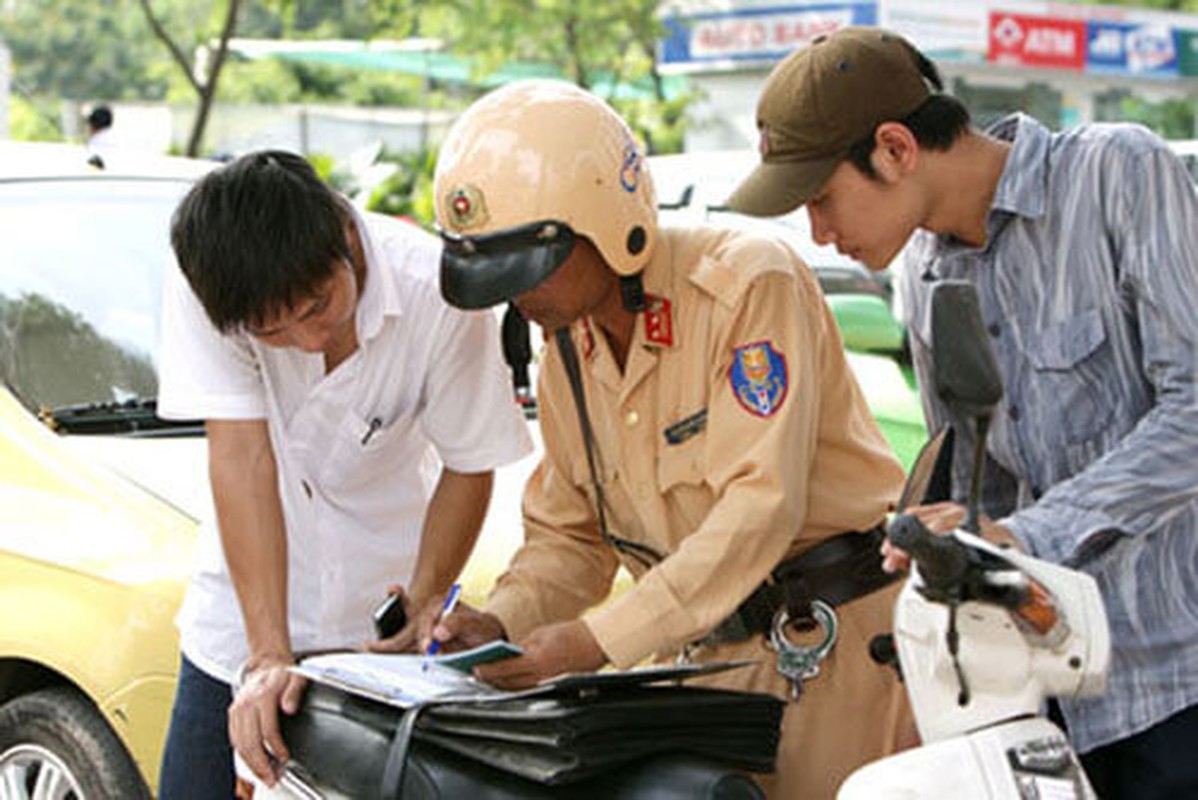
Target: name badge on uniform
x,y
684,429
758,378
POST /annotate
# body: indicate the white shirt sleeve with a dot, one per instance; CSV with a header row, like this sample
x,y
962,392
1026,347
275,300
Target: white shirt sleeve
x,y
470,412
203,374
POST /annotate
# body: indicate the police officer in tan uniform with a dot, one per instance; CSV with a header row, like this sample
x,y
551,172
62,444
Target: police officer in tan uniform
x,y
717,445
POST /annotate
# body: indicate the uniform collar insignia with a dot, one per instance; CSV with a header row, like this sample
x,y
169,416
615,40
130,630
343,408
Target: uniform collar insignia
x,y
659,321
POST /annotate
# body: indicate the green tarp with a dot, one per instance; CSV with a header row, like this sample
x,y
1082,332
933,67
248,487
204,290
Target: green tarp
x,y
451,69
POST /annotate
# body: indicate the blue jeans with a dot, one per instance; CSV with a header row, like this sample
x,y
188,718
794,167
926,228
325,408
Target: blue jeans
x,y
1156,764
197,763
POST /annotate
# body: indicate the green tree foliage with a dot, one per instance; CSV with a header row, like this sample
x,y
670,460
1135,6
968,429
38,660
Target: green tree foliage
x,y
79,49
34,119
660,123
598,44
265,81
147,50
409,190
1172,119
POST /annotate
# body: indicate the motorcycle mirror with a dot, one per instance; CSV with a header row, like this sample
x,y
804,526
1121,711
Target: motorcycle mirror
x,y
967,376
966,372
915,490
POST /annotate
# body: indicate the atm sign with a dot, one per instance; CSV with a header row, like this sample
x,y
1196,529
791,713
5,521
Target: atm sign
x,y
1028,41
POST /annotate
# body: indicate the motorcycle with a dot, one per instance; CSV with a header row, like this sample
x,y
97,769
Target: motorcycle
x,y
607,735
983,635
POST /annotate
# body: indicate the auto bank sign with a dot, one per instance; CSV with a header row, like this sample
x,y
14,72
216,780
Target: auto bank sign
x,y
755,34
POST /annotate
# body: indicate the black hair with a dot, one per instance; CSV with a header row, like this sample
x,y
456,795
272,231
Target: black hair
x,y
936,124
100,118
259,235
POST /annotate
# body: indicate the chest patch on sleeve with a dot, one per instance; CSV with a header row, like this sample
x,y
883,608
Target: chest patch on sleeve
x,y
758,378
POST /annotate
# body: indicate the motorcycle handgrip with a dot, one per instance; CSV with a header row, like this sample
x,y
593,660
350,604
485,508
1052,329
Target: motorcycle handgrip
x,y
942,560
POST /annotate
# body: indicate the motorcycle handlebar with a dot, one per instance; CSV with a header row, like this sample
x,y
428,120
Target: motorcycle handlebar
x,y
943,561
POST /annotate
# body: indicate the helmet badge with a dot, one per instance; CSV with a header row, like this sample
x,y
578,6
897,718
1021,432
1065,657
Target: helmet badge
x,y
630,169
465,206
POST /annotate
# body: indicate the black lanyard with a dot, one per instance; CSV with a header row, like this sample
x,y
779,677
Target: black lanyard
x,y
643,553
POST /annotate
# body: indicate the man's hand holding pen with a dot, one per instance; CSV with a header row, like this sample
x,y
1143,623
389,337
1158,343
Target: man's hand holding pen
x,y
447,608
459,628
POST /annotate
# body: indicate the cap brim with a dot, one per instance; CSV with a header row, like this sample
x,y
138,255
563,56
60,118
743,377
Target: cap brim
x,y
776,188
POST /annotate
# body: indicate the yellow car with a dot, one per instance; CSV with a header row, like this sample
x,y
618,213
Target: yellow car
x,y
98,499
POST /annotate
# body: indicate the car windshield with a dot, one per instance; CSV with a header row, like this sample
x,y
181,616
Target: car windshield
x,y
80,279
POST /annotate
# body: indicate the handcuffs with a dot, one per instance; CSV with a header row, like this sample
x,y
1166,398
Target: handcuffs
x,y
800,662
796,662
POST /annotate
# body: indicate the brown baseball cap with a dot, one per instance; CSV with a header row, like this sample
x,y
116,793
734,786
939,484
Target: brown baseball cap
x,y
817,103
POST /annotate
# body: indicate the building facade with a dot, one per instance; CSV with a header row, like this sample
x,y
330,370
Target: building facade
x,y
1061,62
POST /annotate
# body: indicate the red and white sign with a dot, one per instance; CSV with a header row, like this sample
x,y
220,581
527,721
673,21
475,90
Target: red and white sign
x,y
1028,41
742,36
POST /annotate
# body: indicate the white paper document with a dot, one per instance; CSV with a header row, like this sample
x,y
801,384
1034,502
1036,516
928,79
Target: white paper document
x,y
412,680
400,680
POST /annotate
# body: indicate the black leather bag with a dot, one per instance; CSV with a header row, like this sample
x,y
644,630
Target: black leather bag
x,y
640,742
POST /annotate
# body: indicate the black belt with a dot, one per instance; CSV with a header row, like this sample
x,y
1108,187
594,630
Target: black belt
x,y
836,571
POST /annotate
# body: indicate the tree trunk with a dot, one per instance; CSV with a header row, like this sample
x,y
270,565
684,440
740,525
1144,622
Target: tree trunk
x,y
208,91
204,86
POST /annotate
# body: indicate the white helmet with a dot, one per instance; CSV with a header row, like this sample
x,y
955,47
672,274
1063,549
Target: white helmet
x,y
522,172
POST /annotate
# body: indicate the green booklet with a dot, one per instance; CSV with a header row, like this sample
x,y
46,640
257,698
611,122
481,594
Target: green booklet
x,y
467,660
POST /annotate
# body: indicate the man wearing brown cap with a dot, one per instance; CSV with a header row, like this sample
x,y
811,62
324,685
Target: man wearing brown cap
x,y
1083,246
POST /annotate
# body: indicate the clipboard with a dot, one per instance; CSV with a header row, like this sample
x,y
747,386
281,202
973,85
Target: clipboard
x,y
407,681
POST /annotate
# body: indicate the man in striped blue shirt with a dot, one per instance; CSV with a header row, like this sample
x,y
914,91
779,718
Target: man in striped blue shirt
x,y
1083,246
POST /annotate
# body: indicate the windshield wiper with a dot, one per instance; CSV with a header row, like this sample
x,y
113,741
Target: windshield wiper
x,y
136,417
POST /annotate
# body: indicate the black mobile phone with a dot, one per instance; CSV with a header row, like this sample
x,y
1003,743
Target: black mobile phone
x,y
390,617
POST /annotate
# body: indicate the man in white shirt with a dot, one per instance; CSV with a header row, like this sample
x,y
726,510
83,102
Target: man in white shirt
x,y
100,139
354,420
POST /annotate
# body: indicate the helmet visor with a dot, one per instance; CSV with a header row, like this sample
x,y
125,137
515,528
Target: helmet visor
x,y
481,271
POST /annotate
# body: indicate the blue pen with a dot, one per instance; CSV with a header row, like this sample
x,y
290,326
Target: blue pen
x,y
451,601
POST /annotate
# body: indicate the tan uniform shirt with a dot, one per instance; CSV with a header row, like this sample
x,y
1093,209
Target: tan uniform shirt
x,y
735,437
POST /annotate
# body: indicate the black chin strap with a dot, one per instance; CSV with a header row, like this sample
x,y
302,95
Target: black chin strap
x,y
632,293
517,349
643,553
